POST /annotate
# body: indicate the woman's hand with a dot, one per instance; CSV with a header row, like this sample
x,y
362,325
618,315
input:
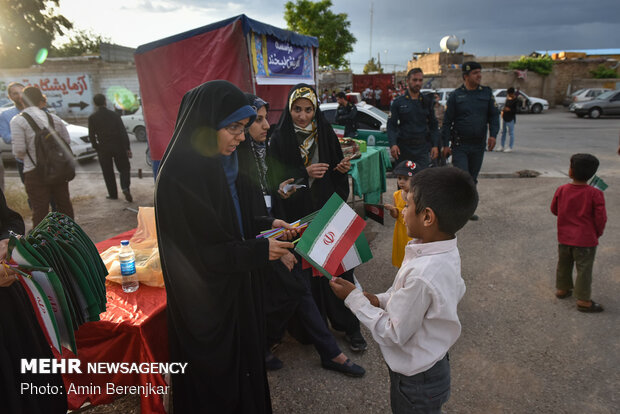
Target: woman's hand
x,y
344,166
281,192
289,260
290,233
278,248
7,276
317,170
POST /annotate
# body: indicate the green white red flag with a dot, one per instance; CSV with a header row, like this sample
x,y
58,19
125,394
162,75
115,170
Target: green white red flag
x,y
330,237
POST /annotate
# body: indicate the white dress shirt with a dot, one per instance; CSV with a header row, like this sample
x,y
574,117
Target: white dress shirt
x,y
417,322
22,134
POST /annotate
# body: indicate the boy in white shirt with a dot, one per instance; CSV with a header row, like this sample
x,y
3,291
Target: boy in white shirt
x,y
415,322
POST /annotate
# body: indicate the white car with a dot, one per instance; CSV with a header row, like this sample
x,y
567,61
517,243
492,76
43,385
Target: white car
x,y
531,104
134,123
583,95
371,123
80,144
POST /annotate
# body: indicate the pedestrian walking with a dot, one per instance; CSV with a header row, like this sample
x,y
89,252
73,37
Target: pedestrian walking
x,y
108,136
509,119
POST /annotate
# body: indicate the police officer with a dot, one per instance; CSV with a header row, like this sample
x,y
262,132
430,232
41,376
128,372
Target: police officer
x,y
470,108
345,115
412,126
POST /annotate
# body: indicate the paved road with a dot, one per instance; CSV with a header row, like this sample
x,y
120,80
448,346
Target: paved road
x,y
545,142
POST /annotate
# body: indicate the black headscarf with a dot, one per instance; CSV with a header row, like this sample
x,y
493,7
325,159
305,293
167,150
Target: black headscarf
x,y
214,303
284,161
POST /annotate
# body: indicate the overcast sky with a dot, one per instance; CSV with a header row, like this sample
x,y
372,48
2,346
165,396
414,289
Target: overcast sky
x,y
400,27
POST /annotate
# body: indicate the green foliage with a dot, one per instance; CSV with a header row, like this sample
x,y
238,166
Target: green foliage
x,y
541,65
27,26
372,66
315,19
603,72
80,42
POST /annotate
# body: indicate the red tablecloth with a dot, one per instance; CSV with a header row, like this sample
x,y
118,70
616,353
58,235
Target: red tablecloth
x,y
133,329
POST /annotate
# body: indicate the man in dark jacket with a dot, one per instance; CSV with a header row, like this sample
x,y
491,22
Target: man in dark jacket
x,y
345,115
108,136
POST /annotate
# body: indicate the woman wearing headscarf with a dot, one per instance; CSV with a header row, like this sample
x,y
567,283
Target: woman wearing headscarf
x,y
215,321
305,148
21,337
287,289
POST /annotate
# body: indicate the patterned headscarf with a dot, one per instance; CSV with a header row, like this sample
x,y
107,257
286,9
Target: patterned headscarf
x,y
303,92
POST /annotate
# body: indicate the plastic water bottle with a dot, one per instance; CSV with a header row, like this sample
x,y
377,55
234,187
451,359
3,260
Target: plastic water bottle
x,y
127,259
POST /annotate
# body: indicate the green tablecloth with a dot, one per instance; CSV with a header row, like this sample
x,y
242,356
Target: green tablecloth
x,y
368,174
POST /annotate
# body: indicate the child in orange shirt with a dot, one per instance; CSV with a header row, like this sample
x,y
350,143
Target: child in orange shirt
x,y
404,170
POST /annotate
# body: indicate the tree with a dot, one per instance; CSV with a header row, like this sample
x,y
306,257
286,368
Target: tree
x,y
603,72
372,66
80,42
332,30
27,26
542,65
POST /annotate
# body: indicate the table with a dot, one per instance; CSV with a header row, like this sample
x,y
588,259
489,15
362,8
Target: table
x,y
368,174
133,329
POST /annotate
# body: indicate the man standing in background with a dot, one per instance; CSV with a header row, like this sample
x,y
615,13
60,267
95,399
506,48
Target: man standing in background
x,y
14,91
108,136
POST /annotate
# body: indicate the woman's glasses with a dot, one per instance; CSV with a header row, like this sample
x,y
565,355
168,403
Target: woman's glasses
x,y
235,129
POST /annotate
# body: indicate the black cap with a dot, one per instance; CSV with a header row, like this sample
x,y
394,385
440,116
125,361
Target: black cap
x,y
406,168
469,66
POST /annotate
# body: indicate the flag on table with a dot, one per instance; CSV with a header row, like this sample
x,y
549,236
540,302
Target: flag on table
x,y
330,236
598,183
374,211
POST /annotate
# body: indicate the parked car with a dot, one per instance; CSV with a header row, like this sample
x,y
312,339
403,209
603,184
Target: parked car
x,y
134,123
583,95
607,103
371,123
80,144
530,103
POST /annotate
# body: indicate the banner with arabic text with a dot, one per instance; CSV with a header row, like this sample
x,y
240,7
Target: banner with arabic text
x,y
278,62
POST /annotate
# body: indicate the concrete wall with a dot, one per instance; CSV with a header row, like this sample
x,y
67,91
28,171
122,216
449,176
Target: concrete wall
x,y
570,75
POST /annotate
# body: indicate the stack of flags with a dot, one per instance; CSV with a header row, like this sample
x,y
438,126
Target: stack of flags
x,y
64,276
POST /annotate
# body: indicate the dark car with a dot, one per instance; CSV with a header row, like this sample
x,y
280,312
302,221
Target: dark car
x,y
607,103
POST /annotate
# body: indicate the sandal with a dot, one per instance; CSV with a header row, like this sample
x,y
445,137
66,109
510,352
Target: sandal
x,y
593,308
566,294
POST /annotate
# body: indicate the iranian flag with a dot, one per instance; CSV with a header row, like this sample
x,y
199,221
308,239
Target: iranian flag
x,y
330,237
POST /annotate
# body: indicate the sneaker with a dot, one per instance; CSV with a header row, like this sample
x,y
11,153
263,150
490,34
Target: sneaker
x,y
357,343
508,150
127,195
348,368
499,149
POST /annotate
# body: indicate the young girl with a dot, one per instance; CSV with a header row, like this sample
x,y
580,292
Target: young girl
x,y
404,170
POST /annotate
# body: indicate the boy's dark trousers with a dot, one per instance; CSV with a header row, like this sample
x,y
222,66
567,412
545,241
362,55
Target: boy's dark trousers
x,y
583,259
422,393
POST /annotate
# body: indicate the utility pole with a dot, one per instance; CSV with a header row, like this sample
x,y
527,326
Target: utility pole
x,y
372,5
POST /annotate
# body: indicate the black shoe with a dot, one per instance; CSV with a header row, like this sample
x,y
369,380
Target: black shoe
x,y
111,198
127,195
272,362
348,368
357,343
593,308
474,217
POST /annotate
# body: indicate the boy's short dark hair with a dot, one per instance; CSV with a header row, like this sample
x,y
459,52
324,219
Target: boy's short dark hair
x,y
510,90
448,191
99,99
32,95
584,166
341,95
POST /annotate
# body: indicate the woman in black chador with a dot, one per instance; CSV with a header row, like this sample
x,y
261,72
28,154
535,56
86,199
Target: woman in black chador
x,y
305,148
214,301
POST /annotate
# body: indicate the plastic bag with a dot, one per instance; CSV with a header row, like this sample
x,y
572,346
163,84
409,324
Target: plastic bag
x,y
144,245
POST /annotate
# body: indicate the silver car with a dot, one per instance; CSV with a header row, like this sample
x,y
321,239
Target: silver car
x,y
583,95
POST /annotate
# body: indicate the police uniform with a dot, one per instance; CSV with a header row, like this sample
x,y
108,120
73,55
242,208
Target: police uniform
x,y
413,127
465,125
345,115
